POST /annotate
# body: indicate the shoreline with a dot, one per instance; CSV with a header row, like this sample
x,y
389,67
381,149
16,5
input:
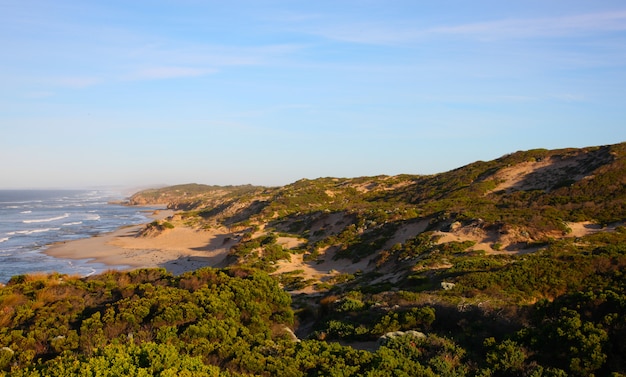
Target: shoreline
x,y
178,250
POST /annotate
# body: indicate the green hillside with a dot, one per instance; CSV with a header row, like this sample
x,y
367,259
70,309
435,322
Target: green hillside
x,y
511,267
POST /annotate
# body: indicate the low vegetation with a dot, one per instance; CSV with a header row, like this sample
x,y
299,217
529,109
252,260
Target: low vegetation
x,y
472,272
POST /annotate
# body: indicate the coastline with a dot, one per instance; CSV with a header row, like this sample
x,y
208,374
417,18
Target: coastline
x,y
178,250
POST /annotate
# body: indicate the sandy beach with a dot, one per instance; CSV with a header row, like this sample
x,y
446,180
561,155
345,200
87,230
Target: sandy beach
x,y
178,250
183,249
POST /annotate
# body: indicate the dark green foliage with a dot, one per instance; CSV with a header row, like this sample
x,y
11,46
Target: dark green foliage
x,y
561,268
351,318
147,359
78,319
410,356
159,226
261,252
573,333
582,333
292,281
421,244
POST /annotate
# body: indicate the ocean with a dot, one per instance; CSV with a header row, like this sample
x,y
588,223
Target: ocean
x,y
31,220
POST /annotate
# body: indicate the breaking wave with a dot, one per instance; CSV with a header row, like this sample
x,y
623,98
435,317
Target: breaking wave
x,y
32,231
73,223
66,215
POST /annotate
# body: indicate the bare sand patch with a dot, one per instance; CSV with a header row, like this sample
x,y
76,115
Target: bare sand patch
x,y
322,269
290,242
584,228
512,240
541,174
406,232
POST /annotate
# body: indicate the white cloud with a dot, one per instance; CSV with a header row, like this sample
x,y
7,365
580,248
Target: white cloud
x,y
174,59
571,25
368,33
74,82
540,27
569,97
158,73
38,94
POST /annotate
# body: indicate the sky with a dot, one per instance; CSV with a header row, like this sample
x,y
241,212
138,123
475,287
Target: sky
x,y
141,93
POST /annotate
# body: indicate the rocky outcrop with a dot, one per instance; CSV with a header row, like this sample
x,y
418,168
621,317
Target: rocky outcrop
x,y
396,334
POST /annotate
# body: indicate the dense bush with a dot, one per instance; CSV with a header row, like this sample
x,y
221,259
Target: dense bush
x,y
209,314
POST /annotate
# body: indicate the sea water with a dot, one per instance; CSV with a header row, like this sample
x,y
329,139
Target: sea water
x,y
31,220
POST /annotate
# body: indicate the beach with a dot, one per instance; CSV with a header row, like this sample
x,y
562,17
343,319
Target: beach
x,y
178,250
182,249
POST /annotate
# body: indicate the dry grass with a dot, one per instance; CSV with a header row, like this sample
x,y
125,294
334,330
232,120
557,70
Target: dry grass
x,y
8,303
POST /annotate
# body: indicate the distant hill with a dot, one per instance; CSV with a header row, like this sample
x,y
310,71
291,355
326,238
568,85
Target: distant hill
x,y
188,195
516,204
513,203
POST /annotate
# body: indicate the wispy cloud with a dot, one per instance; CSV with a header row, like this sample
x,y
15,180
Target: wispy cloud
x,y
38,94
367,33
171,59
280,108
569,97
159,73
563,26
540,27
74,82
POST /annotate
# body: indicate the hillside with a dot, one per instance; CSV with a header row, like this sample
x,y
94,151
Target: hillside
x,y
507,267
514,205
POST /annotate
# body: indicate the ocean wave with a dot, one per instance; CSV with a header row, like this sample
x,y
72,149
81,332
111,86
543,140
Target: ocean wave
x,y
26,212
31,231
92,271
66,215
94,217
21,201
4,239
73,223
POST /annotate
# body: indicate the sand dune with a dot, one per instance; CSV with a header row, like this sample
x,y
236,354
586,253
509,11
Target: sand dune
x,y
184,249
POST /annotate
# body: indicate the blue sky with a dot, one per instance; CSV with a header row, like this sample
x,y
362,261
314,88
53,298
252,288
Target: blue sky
x,y
137,93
